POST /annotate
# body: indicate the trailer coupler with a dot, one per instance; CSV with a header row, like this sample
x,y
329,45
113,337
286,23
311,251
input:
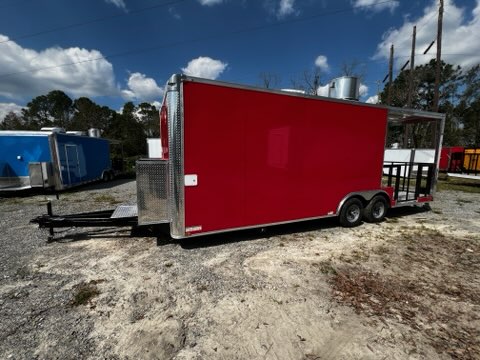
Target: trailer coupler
x,y
123,215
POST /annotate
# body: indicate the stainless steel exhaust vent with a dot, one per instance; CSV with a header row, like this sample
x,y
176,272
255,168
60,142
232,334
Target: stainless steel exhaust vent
x,y
345,87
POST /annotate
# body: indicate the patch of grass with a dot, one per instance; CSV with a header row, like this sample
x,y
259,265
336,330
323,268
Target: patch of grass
x,y
12,201
104,198
326,267
23,272
367,290
85,292
464,201
459,185
381,250
203,287
432,274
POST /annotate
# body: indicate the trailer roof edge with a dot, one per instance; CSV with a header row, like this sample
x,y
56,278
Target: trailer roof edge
x,y
394,113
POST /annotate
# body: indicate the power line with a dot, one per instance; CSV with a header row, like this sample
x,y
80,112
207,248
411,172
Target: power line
x,y
88,22
204,38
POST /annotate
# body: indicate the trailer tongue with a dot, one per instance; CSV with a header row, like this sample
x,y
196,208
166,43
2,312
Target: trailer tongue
x,y
123,215
237,157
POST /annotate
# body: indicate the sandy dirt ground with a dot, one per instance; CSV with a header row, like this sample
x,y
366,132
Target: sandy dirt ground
x,y
407,288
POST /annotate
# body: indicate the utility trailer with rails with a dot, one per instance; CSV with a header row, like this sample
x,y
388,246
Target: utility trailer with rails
x,y
237,157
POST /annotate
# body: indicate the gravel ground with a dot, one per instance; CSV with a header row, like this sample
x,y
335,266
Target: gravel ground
x,y
407,288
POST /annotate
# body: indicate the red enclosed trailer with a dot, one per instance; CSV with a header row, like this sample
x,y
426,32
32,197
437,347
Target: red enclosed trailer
x,y
236,157
451,159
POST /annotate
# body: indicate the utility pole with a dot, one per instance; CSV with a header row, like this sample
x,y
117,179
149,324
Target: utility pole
x,y
390,77
439,57
412,66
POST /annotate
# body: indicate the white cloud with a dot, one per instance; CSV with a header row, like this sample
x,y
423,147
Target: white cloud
x,y
174,13
375,5
157,104
84,78
323,90
205,67
210,2
286,8
363,90
118,3
6,108
322,63
372,99
460,45
141,88
280,8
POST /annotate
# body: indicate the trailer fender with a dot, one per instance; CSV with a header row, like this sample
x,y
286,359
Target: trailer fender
x,y
107,175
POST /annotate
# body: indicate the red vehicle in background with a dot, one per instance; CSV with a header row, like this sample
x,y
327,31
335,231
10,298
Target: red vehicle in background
x,y
451,159
457,159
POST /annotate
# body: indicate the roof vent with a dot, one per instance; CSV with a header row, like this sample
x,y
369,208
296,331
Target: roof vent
x,y
94,133
78,133
53,129
345,87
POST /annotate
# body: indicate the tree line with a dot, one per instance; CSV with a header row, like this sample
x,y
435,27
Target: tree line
x,y
132,126
459,100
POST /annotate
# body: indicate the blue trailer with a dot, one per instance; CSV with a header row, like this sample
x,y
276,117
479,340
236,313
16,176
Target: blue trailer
x,y
52,159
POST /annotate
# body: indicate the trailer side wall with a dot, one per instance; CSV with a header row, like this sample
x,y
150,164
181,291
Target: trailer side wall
x,y
16,152
82,158
264,158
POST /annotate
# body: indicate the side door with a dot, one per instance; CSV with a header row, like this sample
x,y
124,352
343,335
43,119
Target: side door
x,y
71,168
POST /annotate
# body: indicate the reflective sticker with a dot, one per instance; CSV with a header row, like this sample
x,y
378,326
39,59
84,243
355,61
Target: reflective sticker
x,y
193,228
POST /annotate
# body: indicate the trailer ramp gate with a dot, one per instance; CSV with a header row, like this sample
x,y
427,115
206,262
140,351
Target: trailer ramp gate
x,y
410,180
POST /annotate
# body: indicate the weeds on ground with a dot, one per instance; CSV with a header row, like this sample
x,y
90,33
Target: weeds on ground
x,y
85,292
431,282
464,201
104,198
23,272
466,186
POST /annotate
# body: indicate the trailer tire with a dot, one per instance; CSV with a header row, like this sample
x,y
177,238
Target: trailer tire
x,y
351,213
376,209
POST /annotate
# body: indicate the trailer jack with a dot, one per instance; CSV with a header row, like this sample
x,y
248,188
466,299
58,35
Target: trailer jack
x,y
122,216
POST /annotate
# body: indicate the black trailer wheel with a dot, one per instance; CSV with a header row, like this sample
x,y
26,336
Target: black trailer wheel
x,y
376,209
351,213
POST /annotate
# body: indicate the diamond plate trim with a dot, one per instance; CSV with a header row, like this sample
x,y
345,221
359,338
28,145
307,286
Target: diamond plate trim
x,y
153,178
125,211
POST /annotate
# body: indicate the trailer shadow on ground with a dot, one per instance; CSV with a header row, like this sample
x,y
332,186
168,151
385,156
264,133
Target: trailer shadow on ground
x,y
278,230
99,185
161,232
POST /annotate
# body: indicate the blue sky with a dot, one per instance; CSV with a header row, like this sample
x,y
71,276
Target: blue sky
x,y
124,50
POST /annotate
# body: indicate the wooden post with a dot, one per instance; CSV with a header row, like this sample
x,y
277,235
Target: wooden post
x,y
390,77
412,67
439,58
